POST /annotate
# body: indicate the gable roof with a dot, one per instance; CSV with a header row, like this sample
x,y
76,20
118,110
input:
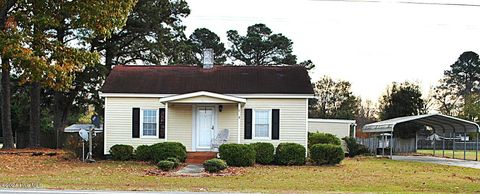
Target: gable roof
x,y
219,79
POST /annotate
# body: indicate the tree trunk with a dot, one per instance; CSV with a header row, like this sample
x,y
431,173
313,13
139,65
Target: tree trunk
x,y
34,115
61,107
109,57
8,142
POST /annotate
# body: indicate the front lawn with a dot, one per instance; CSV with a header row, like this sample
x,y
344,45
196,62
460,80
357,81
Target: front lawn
x,y
470,154
353,175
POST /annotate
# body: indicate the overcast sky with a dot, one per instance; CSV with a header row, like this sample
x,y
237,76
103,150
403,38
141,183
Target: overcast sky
x,y
369,43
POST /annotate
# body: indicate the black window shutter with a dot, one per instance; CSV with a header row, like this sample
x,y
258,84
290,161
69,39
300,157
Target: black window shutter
x,y
161,122
275,123
135,122
248,124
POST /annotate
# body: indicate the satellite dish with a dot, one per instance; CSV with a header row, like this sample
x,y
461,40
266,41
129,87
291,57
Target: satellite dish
x,y
83,134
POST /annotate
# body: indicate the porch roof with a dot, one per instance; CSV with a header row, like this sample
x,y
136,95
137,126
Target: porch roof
x,y
202,97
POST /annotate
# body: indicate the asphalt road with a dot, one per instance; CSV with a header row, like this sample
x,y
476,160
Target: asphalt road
x,y
30,191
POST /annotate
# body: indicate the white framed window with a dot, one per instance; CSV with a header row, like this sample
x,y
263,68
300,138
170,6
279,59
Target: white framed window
x,y
262,124
149,123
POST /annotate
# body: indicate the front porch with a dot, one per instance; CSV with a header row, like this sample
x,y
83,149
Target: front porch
x,y
195,120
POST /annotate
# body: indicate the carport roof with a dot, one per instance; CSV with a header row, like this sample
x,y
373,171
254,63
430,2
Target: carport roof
x,y
438,122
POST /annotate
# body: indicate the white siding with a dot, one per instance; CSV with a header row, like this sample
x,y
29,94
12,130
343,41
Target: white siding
x,y
293,119
118,120
336,128
227,119
180,124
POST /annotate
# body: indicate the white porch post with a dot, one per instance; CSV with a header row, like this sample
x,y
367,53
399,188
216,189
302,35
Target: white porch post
x,y
166,121
239,108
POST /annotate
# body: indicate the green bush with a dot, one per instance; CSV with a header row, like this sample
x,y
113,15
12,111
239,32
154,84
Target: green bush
x,y
121,152
322,138
143,153
165,165
214,165
290,154
264,152
176,161
162,151
354,148
237,154
326,154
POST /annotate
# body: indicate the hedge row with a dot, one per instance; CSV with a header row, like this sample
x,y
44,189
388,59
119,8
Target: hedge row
x,y
262,153
154,153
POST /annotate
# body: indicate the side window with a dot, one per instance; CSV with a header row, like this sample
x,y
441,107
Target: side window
x,y
262,124
149,123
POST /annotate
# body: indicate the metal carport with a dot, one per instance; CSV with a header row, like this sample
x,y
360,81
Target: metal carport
x,y
439,123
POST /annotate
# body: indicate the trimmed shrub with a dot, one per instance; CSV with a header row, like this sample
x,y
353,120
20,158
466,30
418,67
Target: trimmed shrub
x,y
322,138
290,154
143,153
121,152
214,165
237,154
162,151
165,165
326,154
176,161
354,148
264,152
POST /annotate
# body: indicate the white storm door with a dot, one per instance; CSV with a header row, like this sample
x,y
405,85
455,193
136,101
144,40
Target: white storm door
x,y
205,126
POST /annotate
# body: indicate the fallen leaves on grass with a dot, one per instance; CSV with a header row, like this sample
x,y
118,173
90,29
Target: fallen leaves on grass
x,y
230,171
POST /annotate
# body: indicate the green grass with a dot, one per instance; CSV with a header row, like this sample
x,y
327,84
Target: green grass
x,y
470,154
353,175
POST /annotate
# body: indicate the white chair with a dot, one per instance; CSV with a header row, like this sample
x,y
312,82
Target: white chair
x,y
221,138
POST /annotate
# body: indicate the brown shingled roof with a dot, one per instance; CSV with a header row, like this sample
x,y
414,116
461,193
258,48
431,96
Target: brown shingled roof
x,y
219,79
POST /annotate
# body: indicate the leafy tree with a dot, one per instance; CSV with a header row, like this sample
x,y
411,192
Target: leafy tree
x,y
471,107
366,113
465,73
203,38
152,29
152,34
7,35
261,47
335,100
41,54
403,99
447,97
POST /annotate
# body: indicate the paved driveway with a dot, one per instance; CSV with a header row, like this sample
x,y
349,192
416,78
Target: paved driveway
x,y
437,160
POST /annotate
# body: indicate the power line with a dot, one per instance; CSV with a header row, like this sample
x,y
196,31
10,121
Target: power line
x,y
406,2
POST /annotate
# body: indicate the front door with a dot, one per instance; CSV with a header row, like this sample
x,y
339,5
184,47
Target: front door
x,y
205,127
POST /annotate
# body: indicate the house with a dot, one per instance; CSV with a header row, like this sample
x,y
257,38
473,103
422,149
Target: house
x,y
190,104
338,127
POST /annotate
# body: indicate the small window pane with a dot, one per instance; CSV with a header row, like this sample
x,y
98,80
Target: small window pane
x,y
262,123
149,123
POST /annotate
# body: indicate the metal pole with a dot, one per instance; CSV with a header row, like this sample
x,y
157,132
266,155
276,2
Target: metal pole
x,y
465,145
391,146
476,149
434,141
453,145
83,150
443,145
383,146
